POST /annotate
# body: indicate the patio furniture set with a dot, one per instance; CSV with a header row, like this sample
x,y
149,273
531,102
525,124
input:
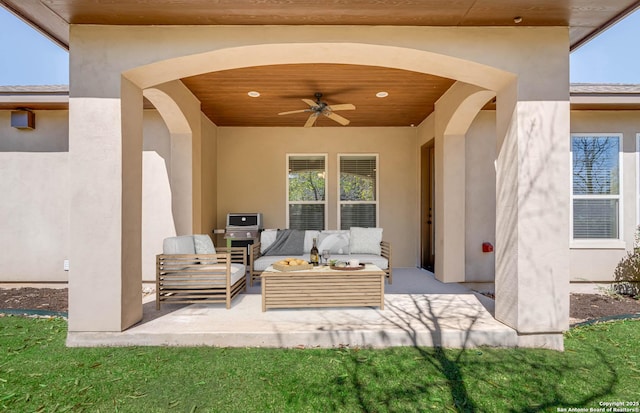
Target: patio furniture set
x,y
192,270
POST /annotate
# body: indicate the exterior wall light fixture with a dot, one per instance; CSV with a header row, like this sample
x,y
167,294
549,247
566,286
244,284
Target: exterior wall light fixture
x,y
23,119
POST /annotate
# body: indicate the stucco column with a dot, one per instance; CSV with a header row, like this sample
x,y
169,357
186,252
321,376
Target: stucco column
x,y
532,218
105,167
449,206
181,179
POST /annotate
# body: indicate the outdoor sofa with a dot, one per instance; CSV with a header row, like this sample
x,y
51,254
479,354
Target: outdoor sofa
x,y
190,270
364,244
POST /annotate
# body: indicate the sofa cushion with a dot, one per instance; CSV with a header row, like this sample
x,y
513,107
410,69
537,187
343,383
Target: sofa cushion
x,y
182,244
238,271
267,237
365,240
335,241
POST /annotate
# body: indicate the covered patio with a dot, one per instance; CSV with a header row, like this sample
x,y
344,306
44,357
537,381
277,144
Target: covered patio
x,y
150,157
419,311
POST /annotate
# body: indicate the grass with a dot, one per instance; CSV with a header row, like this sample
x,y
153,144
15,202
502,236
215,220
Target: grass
x,y
39,374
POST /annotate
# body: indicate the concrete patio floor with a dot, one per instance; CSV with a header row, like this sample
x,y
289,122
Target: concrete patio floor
x,y
419,311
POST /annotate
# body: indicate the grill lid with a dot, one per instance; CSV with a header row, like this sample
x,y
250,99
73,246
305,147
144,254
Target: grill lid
x,y
240,220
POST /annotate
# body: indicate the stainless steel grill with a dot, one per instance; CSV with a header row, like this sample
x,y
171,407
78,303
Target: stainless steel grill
x,y
243,226
243,230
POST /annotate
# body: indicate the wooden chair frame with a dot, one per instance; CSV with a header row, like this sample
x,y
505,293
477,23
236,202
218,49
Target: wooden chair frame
x,y
199,278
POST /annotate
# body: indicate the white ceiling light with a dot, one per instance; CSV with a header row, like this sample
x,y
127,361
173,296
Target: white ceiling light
x,y
254,94
382,94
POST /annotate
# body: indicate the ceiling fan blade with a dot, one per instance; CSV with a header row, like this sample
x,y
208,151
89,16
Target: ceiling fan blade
x,y
343,106
337,118
309,102
293,111
311,120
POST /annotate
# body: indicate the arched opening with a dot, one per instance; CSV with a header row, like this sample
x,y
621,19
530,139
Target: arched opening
x,y
478,82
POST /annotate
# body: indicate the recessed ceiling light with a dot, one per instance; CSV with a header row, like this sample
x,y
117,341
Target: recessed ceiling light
x,y
253,94
517,19
382,94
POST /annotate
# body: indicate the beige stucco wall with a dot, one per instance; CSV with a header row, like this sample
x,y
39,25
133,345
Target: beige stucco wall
x,y
51,133
598,264
460,53
209,182
480,196
34,212
157,215
34,209
252,175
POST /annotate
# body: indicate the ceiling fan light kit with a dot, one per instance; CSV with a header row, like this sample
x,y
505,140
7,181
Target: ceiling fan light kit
x,y
318,107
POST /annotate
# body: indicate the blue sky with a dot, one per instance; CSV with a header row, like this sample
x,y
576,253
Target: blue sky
x,y
28,58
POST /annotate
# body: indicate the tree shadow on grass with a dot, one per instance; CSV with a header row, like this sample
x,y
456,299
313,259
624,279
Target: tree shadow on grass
x,y
470,378
447,366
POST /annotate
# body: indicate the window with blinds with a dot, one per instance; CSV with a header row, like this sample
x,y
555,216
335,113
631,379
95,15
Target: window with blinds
x,y
358,187
596,186
306,191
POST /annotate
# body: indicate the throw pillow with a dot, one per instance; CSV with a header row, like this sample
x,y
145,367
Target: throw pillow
x,y
204,245
365,240
335,241
267,237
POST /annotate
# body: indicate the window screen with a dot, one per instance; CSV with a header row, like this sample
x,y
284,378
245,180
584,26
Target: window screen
x,y
358,191
306,196
596,186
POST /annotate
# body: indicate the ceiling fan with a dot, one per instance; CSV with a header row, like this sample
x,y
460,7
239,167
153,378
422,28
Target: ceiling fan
x,y
319,107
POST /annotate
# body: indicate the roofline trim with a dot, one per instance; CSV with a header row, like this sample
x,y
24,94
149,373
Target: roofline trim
x,y
615,19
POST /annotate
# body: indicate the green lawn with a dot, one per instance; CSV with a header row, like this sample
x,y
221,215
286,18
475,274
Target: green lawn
x,y
38,373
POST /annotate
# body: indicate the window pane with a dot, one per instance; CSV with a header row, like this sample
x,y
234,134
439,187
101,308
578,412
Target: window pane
x,y
306,216
357,215
595,165
358,178
595,218
306,179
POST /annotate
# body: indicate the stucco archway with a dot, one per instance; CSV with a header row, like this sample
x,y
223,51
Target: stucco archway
x,y
477,82
421,61
165,98
455,111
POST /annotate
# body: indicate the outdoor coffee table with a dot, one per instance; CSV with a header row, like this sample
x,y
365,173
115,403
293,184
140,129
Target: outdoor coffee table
x,y
323,287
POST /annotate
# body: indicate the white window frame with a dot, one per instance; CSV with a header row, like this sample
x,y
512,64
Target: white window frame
x,y
326,187
377,195
613,243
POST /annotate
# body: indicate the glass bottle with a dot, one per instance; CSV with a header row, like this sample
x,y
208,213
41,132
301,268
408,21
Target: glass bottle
x,y
314,257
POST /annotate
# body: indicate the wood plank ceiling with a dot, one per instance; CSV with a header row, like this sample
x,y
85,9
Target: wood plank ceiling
x,y
225,100
411,95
